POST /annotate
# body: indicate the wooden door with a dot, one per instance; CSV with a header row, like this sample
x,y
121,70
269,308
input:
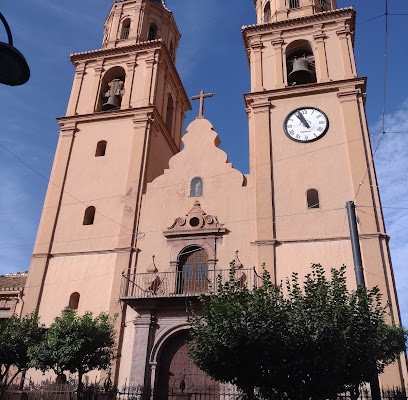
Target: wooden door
x,y
192,272
179,378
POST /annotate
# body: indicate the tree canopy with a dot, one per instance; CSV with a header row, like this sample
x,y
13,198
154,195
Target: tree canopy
x,y
77,344
307,341
16,337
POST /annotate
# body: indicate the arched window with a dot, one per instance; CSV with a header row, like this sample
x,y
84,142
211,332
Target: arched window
x,y
169,113
294,3
100,148
300,63
74,301
152,32
192,271
89,215
312,198
112,89
196,187
267,12
124,34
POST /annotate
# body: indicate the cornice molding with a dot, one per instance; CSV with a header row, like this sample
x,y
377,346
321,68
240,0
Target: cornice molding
x,y
195,222
343,86
367,236
86,253
102,115
322,17
114,51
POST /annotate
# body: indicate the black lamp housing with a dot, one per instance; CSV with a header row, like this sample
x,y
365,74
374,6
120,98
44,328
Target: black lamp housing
x,y
14,69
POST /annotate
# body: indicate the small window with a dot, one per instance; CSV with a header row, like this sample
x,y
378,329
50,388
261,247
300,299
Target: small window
x,y
169,113
267,12
89,216
152,35
312,198
125,29
324,4
196,187
294,4
100,148
74,301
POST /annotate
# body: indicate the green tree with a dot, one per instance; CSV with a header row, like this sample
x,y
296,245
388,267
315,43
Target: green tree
x,y
16,336
77,344
307,341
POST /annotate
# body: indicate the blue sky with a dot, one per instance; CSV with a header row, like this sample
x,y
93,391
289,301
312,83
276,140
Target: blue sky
x,y
211,57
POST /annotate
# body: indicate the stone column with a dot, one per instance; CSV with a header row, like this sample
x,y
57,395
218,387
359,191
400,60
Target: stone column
x,y
140,362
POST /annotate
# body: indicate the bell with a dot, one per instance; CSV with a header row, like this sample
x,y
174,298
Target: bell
x,y
300,72
111,104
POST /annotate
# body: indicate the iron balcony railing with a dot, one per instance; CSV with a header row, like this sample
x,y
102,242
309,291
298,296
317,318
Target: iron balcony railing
x,y
188,282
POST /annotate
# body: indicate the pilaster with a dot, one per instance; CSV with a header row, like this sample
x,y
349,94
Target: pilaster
x,y
76,88
55,190
150,82
144,323
320,55
256,61
346,48
45,235
261,167
115,24
98,69
130,76
277,44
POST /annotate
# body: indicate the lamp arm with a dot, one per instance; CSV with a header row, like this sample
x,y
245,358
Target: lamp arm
x,y
6,25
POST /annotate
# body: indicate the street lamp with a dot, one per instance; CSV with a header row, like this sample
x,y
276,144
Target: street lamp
x,y
14,69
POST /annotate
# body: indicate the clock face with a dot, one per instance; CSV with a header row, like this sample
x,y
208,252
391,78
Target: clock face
x,y
306,124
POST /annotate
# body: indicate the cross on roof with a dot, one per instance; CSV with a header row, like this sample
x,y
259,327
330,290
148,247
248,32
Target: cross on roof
x,y
201,97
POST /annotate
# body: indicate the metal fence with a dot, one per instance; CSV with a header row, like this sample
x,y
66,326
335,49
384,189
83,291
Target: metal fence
x,y
364,394
182,283
224,392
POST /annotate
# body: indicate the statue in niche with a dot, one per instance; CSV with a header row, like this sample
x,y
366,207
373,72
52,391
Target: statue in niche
x,y
196,187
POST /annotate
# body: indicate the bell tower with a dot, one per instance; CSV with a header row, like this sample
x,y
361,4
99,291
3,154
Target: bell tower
x,y
123,123
278,10
310,148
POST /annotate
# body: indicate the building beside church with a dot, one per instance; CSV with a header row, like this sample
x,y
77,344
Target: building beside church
x,y
137,217
11,294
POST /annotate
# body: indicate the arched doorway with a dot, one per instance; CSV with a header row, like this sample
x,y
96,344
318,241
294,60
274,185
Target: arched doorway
x,y
192,271
178,377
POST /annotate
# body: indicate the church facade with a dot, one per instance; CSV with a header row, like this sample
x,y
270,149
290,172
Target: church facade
x,y
138,218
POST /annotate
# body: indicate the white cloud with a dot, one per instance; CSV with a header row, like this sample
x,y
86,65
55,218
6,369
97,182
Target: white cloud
x,y
391,160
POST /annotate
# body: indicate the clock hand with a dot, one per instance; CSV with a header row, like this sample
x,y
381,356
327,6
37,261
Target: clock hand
x,y
302,119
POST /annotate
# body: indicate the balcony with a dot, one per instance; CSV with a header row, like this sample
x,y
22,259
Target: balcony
x,y
185,283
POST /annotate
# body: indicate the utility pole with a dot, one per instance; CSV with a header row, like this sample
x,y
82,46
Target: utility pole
x,y
358,269
355,243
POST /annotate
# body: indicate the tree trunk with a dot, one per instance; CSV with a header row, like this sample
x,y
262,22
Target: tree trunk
x,y
80,388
